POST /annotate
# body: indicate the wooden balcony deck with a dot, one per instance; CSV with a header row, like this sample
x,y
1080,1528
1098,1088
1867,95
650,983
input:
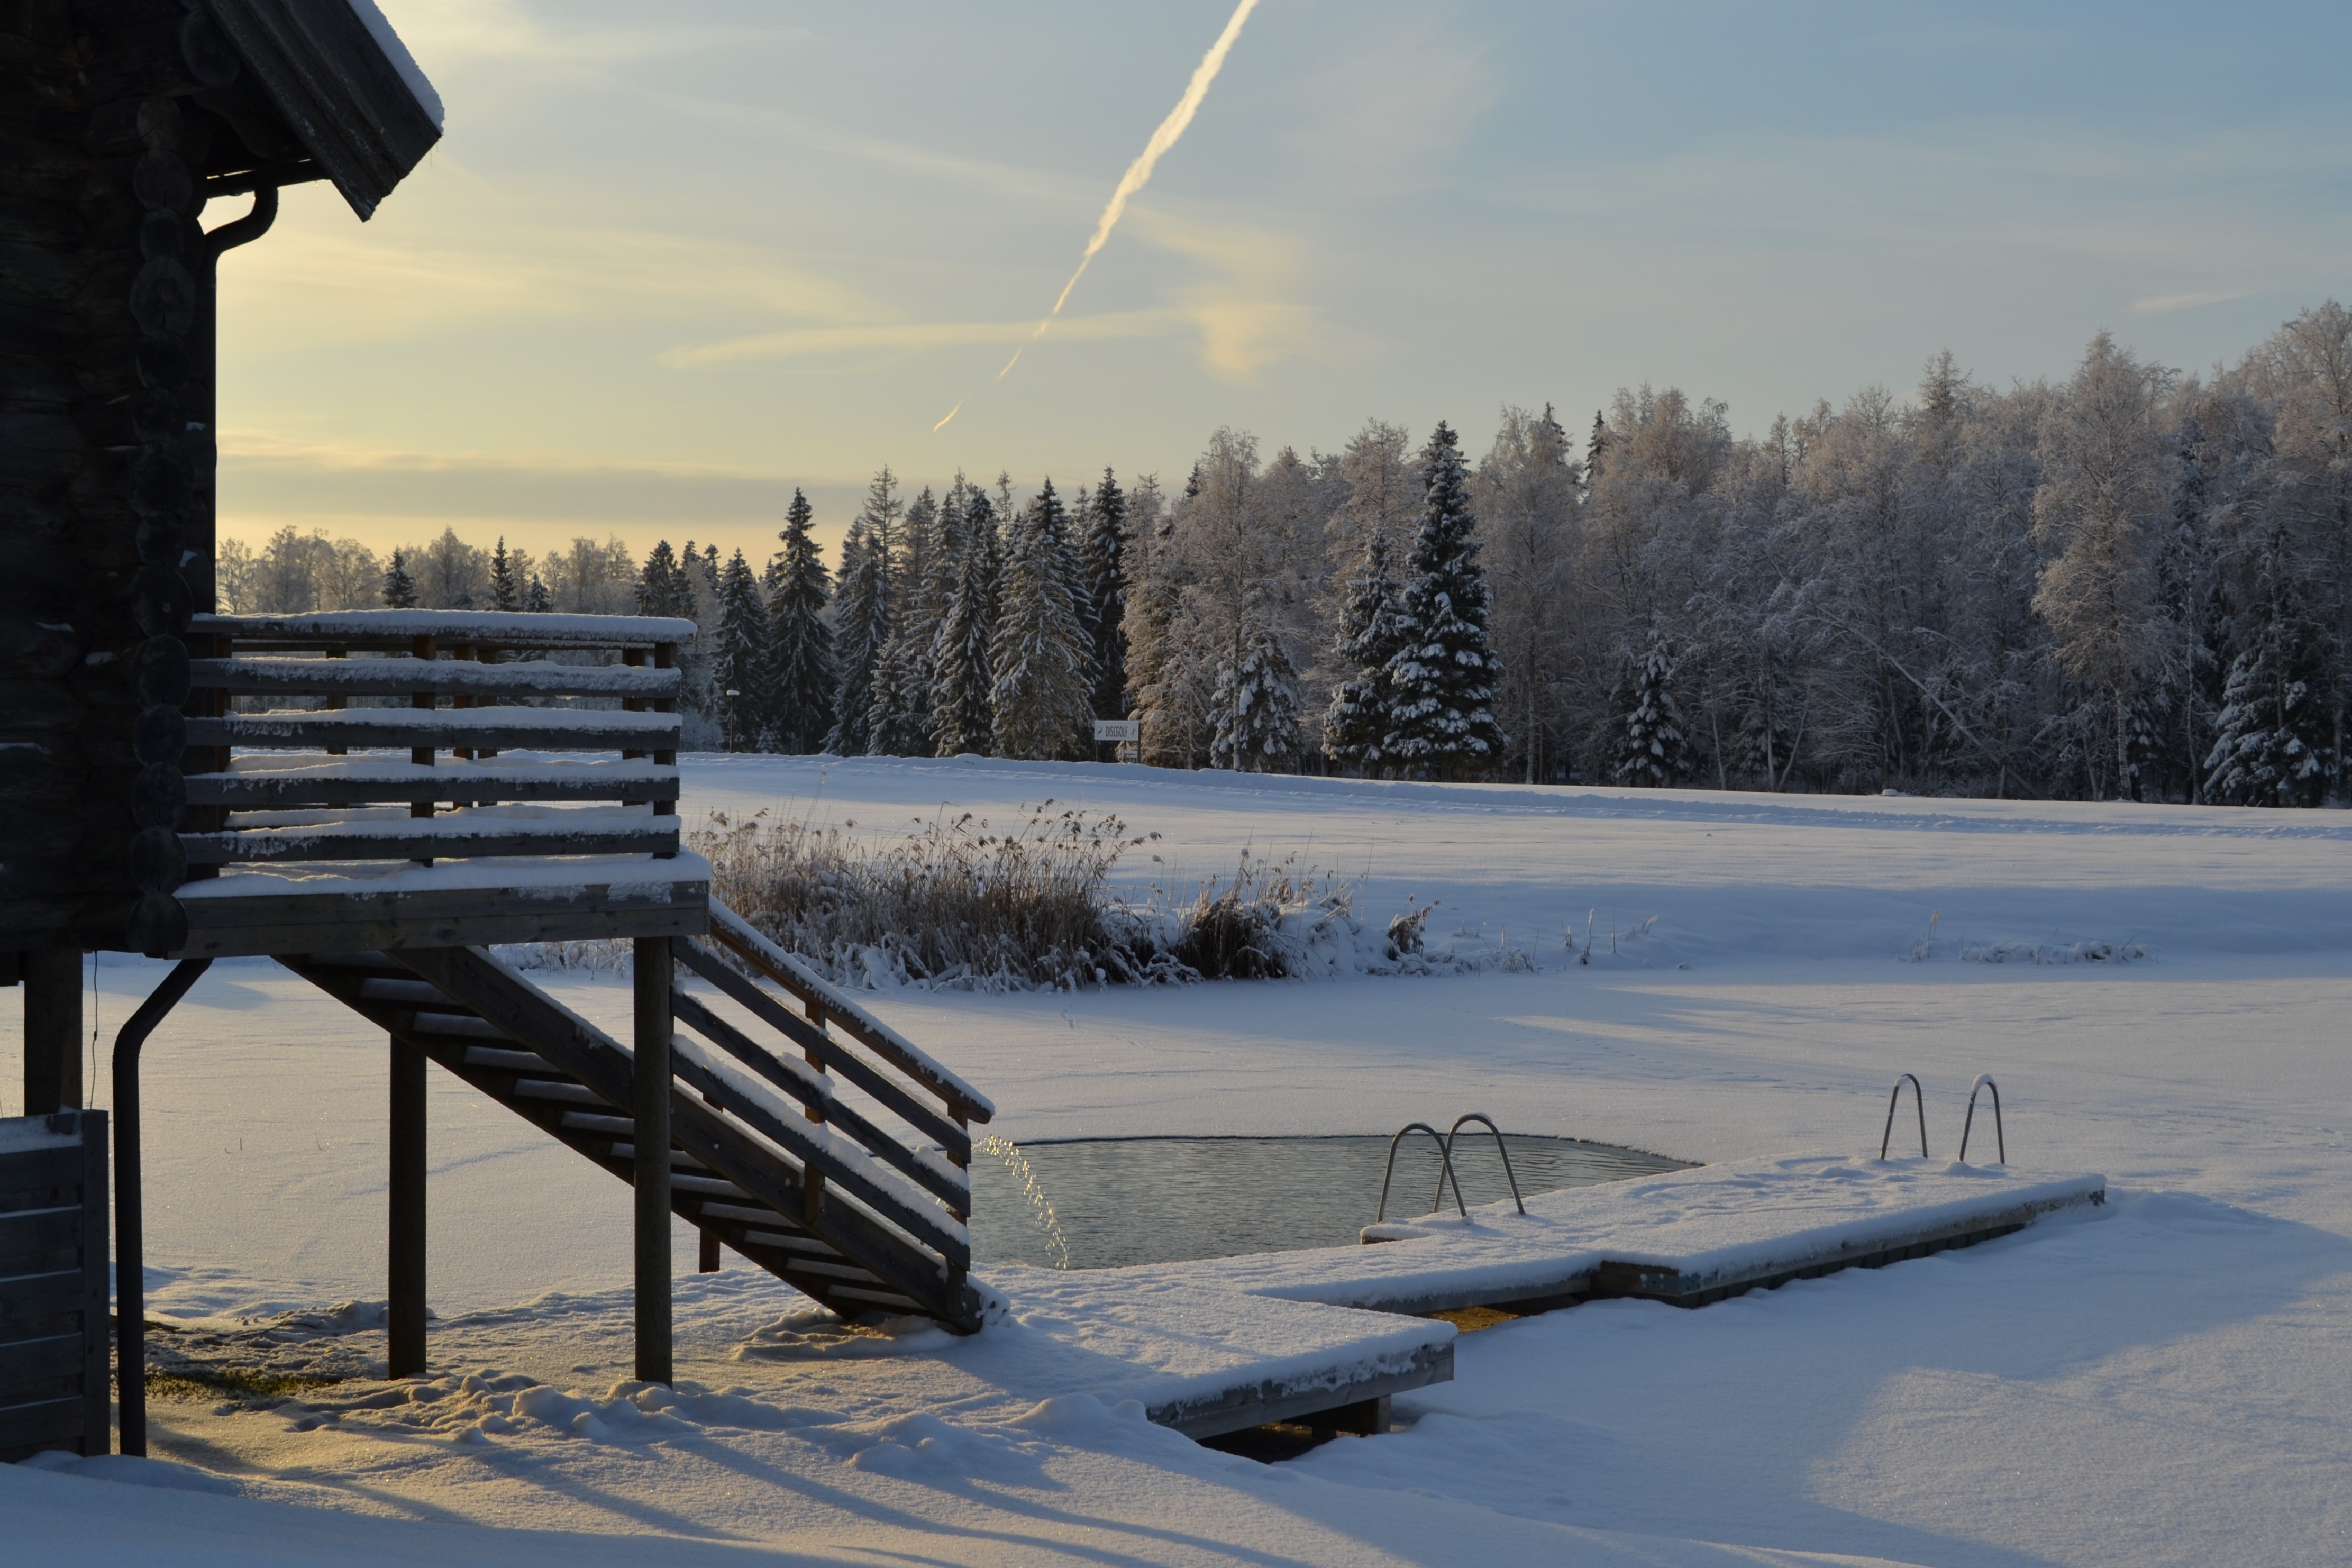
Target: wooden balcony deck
x,y
382,779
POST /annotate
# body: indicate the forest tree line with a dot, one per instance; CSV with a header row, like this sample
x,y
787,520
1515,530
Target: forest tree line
x,y
2132,584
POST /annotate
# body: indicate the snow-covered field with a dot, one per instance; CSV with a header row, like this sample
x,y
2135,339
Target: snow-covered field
x,y
2160,992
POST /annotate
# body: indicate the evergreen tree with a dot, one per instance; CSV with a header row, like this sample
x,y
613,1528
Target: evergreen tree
x,y
1651,750
661,585
2273,741
1369,635
861,630
739,663
2270,748
1042,692
1103,559
536,599
399,587
1442,676
963,716
1596,449
506,592
800,643
899,721
1256,706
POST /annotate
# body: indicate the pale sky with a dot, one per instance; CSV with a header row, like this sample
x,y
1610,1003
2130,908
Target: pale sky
x,y
672,260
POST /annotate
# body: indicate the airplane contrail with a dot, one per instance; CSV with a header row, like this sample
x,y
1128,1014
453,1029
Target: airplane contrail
x,y
1139,173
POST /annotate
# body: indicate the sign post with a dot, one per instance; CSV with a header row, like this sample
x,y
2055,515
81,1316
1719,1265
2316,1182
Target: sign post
x,y
1121,732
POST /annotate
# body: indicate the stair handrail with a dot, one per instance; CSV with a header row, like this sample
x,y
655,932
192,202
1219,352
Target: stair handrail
x,y
2000,1140
1445,1172
1500,1148
1919,1101
813,991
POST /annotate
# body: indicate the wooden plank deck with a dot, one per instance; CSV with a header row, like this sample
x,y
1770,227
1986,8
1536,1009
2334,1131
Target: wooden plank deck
x,y
1222,1344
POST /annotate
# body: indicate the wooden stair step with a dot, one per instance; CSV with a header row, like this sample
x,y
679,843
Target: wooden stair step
x,y
505,1060
464,1025
410,990
564,1090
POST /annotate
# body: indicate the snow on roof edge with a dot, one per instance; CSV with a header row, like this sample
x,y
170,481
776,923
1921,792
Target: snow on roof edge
x,y
380,28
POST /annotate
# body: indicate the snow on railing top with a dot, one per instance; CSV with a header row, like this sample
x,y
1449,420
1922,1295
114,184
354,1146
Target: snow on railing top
x,y
499,628
902,1053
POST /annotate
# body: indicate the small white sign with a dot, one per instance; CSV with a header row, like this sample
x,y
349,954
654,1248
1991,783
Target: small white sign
x,y
1119,730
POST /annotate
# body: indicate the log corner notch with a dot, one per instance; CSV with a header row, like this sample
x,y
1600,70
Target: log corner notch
x,y
124,118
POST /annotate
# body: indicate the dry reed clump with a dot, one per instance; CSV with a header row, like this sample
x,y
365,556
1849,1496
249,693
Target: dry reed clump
x,y
954,901
957,902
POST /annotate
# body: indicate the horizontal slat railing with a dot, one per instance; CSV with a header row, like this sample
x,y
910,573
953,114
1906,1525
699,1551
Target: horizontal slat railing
x,y
439,838
402,677
323,781
458,694
398,629
442,730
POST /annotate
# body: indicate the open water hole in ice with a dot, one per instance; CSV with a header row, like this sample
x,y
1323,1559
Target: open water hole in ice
x,y
1163,1200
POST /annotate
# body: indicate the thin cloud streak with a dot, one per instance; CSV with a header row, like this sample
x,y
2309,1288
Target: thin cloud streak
x,y
1139,174
800,342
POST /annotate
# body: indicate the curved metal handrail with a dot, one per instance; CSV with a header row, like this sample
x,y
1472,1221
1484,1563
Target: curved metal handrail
x,y
2000,1140
1500,1148
1444,1173
1920,1100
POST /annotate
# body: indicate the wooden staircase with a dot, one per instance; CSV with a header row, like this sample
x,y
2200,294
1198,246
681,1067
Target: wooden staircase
x,y
787,1154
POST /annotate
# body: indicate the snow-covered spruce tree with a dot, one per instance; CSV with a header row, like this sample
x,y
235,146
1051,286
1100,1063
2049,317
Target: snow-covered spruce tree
x,y
1651,750
861,629
1256,703
800,643
506,590
1042,691
2273,738
661,585
1103,554
2270,748
739,663
1357,719
899,723
962,719
536,600
1442,676
399,587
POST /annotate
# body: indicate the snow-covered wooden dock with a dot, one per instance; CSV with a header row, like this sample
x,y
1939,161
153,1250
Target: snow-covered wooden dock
x,y
1216,1345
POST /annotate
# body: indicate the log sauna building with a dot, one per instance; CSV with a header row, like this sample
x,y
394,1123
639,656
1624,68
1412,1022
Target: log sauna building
x,y
371,798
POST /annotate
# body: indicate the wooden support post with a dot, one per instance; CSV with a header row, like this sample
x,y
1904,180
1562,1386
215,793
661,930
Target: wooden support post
x,y
336,702
52,1031
665,657
709,1262
422,757
652,1134
405,1296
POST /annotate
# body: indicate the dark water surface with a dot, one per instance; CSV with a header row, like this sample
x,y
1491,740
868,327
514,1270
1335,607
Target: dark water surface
x,y
1161,1200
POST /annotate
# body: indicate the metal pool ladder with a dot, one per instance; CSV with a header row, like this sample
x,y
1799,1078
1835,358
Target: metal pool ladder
x,y
2000,1140
1446,1163
1918,1101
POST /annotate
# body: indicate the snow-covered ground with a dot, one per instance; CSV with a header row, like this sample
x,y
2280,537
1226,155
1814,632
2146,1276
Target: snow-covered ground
x,y
2166,1382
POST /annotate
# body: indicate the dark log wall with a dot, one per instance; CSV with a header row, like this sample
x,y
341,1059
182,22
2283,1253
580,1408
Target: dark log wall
x,y
106,457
